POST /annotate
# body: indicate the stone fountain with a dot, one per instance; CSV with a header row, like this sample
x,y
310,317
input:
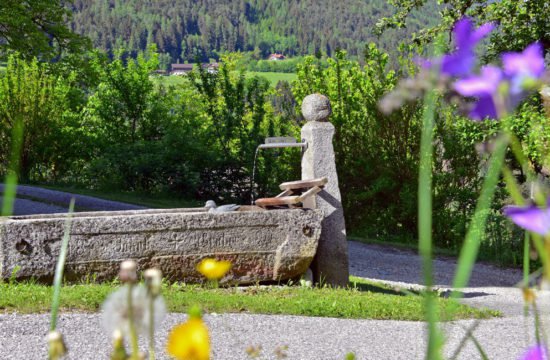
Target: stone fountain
x,y
263,246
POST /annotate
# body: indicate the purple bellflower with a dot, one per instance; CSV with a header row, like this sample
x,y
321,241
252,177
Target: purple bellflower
x,y
484,87
532,218
518,70
522,67
462,60
536,352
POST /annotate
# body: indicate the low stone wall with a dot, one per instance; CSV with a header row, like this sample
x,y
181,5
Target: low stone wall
x,y
262,245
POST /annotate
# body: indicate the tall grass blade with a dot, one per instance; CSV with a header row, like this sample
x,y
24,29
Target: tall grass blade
x,y
10,184
479,348
476,230
435,338
464,340
60,267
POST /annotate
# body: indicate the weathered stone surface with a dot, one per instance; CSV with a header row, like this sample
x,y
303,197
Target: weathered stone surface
x,y
331,262
262,245
316,107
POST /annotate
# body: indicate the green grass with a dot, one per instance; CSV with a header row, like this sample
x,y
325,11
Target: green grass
x,y
157,201
363,300
170,80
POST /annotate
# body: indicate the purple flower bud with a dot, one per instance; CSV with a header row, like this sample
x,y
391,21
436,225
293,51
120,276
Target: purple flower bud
x,y
530,217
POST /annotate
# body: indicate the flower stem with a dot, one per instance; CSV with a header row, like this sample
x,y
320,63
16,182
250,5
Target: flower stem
x,y
131,325
476,230
58,277
435,339
151,328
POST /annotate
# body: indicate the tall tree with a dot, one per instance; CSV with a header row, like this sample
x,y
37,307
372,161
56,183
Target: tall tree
x,y
519,22
37,28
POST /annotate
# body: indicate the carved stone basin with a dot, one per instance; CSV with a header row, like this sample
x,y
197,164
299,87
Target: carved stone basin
x,y
262,245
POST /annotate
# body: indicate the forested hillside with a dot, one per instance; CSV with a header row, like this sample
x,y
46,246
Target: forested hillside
x,y
184,29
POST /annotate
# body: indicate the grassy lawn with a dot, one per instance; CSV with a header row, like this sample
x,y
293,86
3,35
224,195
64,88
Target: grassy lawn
x,y
363,300
156,201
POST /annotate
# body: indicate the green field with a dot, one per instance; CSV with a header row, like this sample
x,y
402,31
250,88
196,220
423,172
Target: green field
x,y
272,77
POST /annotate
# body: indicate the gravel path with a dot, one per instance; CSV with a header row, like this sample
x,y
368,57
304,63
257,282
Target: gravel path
x,y
36,200
22,336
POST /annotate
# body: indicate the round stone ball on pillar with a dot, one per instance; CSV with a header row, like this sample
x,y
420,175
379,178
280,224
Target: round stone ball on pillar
x,y
316,107
330,265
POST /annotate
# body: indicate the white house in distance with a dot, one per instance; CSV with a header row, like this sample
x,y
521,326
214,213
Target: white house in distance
x,y
184,69
181,69
276,57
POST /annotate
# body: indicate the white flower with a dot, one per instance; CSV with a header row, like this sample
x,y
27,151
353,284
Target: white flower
x,y
115,310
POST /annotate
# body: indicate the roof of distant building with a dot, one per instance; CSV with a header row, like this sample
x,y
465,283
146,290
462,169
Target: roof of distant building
x,y
276,56
184,67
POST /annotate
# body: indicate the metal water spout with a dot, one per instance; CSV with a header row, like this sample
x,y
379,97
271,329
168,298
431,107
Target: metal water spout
x,y
282,142
274,143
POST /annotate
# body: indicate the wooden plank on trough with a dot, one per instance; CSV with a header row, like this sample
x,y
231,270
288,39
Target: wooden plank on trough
x,y
302,184
285,193
314,190
278,201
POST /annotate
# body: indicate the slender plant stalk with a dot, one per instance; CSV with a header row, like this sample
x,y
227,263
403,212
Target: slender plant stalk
x,y
476,230
151,328
60,267
435,338
469,332
10,186
131,325
515,192
526,269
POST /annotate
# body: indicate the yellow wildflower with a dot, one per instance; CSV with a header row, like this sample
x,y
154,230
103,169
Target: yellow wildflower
x,y
213,269
189,341
528,295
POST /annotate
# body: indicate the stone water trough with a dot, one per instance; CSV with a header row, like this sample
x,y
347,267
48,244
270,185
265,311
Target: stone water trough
x,y
262,245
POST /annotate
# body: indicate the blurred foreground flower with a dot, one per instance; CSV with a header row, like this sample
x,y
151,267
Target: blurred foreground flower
x,y
537,352
115,310
492,93
190,340
213,269
499,91
153,281
532,218
56,345
119,352
462,60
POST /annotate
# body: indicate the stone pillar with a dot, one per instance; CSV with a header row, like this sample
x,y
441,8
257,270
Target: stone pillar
x,y
330,265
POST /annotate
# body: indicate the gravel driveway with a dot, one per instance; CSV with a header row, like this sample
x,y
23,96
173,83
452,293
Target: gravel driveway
x,y
35,200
